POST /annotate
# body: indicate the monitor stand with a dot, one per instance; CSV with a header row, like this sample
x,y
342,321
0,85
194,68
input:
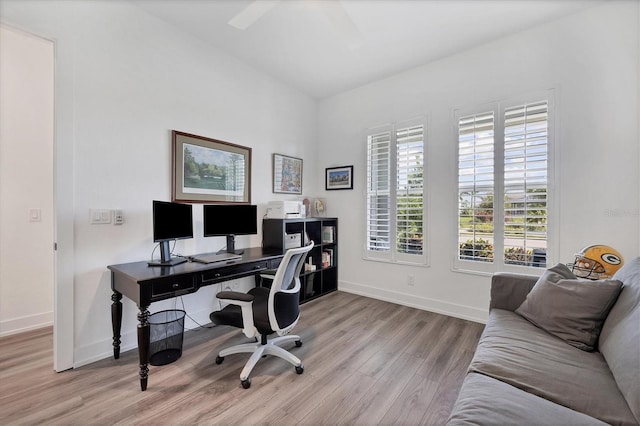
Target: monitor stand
x,y
231,246
165,257
171,262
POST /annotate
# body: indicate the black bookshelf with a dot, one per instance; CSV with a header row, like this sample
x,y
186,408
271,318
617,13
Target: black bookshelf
x,y
282,234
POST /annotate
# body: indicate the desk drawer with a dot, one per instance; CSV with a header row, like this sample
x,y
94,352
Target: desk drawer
x,y
176,285
274,263
233,271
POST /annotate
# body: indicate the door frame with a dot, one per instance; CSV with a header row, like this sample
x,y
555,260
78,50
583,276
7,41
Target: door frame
x,y
64,206
63,198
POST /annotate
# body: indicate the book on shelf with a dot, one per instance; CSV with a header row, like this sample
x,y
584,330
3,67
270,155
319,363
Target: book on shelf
x,y
327,258
328,234
308,287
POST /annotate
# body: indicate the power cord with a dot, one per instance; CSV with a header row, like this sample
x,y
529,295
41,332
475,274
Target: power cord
x,y
154,250
175,306
171,251
175,303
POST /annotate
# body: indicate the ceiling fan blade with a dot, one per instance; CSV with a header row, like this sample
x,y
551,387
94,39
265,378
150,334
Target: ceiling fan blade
x,y
250,14
343,23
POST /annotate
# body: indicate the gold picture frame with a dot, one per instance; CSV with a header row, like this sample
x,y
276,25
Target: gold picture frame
x,y
206,170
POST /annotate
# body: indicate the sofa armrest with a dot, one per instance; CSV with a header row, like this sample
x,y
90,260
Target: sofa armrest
x,y
509,290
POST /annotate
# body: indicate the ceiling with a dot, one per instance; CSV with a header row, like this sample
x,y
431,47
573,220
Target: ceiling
x,y
300,44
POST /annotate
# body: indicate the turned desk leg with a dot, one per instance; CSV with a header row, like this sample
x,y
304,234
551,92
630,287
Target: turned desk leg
x,y
143,345
116,322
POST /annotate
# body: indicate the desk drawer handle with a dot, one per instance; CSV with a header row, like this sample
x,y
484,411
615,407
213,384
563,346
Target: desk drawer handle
x,y
175,285
217,275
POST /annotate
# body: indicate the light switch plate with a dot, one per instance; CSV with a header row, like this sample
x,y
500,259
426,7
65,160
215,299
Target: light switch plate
x,y
99,216
35,215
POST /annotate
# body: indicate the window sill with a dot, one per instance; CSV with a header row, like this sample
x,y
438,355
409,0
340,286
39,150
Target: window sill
x,y
419,263
490,269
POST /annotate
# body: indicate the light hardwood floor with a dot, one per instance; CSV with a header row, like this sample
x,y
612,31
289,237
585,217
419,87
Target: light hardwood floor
x,y
366,362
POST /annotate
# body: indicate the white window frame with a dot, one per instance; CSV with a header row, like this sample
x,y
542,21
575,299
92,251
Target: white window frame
x,y
499,108
393,256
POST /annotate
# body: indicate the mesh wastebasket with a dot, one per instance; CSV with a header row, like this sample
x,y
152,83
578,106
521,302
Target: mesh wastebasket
x,y
167,332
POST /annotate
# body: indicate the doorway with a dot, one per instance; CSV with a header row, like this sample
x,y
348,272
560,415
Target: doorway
x,y
27,213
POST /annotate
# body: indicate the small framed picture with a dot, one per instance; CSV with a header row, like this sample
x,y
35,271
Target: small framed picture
x,y
339,178
287,174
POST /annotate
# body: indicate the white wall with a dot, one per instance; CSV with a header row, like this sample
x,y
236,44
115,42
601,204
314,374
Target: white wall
x,y
26,173
591,61
126,79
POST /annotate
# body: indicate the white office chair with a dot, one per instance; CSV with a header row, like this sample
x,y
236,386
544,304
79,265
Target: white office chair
x,y
263,311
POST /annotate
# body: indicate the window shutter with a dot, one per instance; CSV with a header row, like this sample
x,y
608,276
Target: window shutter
x,y
476,187
525,184
378,191
410,189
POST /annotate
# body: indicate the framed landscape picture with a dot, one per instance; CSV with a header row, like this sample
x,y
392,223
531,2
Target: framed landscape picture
x,y
209,171
339,178
287,174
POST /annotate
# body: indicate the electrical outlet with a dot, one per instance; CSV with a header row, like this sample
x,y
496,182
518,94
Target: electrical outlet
x,y
411,280
118,217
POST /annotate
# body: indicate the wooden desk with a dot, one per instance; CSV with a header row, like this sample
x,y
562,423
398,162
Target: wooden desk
x,y
144,285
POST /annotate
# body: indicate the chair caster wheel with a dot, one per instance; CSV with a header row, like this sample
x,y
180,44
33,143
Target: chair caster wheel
x,y
300,369
219,359
298,343
246,383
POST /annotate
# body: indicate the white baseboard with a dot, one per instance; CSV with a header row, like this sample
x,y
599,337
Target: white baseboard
x,y
103,348
22,324
412,301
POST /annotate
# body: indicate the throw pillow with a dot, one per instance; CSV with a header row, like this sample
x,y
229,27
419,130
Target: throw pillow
x,y
570,308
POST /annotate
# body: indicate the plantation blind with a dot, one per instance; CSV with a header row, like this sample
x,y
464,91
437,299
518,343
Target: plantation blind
x,y
378,192
525,183
410,189
476,186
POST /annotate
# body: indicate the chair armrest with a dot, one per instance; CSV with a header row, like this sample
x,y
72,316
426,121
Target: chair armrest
x,y
509,290
245,301
269,274
232,296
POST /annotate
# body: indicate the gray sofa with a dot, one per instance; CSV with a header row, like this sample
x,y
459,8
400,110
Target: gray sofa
x,y
523,375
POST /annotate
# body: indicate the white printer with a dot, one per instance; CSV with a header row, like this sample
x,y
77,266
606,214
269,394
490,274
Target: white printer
x,y
285,210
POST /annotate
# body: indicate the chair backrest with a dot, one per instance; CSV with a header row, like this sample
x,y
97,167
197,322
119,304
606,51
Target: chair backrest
x,y
284,297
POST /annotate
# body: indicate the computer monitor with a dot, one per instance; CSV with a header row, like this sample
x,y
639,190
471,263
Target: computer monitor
x,y
230,220
171,221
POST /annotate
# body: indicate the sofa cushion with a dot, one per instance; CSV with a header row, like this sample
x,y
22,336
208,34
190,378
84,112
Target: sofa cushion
x,y
620,338
514,351
486,401
571,309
